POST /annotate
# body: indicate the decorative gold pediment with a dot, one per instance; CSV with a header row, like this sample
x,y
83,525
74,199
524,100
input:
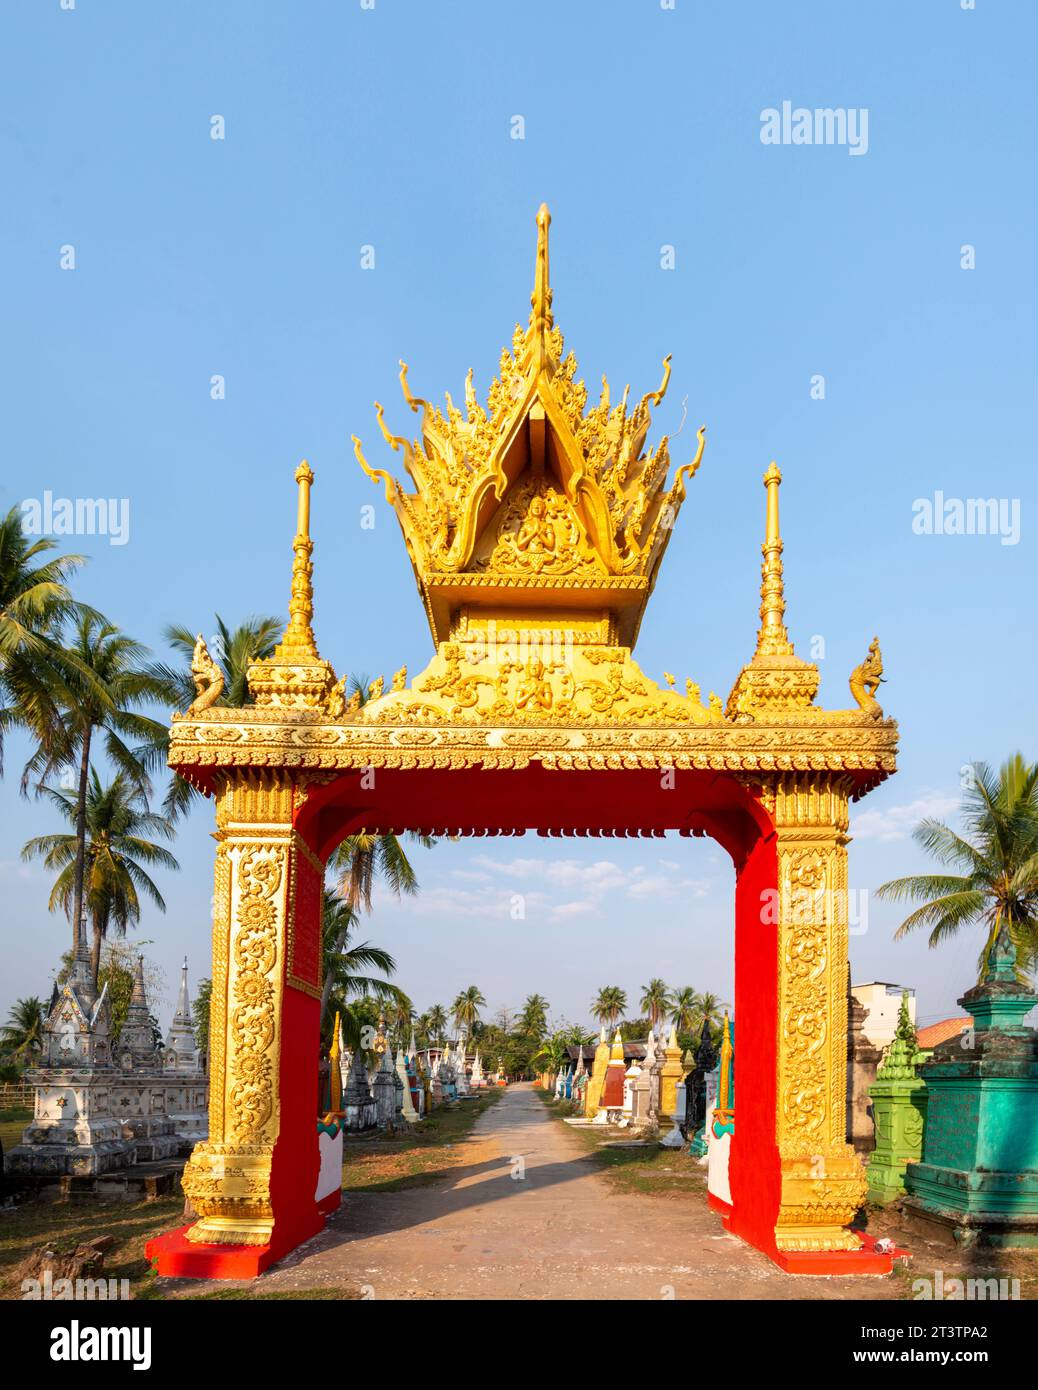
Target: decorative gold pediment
x,y
535,484
537,532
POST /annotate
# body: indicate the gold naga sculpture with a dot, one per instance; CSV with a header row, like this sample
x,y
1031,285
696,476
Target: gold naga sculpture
x,y
207,676
866,680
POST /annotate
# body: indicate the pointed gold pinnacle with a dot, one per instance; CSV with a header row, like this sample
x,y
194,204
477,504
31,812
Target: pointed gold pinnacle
x,y
296,677
772,638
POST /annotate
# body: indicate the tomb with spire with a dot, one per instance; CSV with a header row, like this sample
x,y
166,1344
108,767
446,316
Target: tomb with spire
x,y
104,1103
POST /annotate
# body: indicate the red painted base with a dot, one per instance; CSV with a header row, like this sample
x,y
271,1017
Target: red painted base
x,y
867,1260
176,1257
330,1203
718,1204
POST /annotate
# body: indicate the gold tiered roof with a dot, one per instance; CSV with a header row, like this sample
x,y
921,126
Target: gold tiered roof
x,y
536,530
536,502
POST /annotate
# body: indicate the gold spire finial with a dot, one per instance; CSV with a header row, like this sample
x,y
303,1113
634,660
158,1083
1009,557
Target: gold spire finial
x,y
296,677
772,639
298,639
776,680
541,319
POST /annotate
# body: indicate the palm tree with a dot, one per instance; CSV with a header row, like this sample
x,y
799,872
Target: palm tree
x,y
344,963
359,860
552,1052
655,1001
610,1005
23,1031
437,1018
685,1009
100,691
234,650
709,1011
534,1017
998,856
115,820
574,1035
400,1016
34,604
466,1007
200,1012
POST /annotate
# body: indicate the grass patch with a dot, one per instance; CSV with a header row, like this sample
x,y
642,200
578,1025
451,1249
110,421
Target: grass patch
x,y
12,1122
373,1163
653,1171
416,1158
65,1224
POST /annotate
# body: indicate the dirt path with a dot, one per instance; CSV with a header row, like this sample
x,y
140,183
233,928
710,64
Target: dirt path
x,y
556,1232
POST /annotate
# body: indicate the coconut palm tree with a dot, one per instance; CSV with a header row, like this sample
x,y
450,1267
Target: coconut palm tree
x,y
709,1011
115,821
358,861
685,1009
437,1018
100,688
233,649
998,858
35,602
466,1007
400,1016
344,963
23,1031
534,1017
610,1005
655,1002
552,1055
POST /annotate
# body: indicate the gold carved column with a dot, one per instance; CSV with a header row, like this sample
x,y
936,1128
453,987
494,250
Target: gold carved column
x,y
228,1177
822,1179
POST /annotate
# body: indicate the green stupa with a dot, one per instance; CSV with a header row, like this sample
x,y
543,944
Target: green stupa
x,y
898,1097
978,1178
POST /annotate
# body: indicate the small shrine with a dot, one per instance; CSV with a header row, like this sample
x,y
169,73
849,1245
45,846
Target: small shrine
x,y
977,1180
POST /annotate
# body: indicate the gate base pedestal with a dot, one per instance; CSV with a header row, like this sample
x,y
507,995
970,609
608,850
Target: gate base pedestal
x,y
176,1257
867,1260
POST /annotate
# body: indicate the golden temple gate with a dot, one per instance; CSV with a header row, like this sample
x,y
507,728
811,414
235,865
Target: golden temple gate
x,y
536,530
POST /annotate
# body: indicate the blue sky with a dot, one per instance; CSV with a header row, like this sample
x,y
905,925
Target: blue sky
x,y
392,127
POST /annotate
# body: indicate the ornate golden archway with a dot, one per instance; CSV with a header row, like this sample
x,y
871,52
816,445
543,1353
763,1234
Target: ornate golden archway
x,y
536,531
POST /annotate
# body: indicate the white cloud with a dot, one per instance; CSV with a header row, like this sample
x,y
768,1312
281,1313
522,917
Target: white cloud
x,y
898,822
561,912
597,880
11,868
